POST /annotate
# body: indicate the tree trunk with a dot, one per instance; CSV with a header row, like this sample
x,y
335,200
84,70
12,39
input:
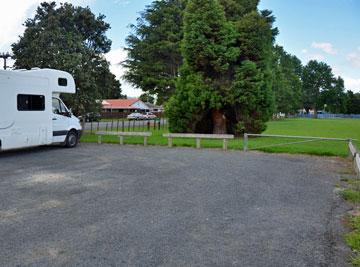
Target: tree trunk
x,y
219,122
315,113
83,122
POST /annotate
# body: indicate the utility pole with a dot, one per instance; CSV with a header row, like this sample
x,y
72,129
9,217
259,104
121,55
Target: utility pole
x,y
5,56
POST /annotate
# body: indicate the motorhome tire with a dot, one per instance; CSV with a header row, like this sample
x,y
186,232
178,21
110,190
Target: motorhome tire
x,y
72,139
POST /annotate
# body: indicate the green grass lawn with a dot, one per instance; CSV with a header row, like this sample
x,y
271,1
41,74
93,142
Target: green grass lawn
x,y
351,192
353,239
342,128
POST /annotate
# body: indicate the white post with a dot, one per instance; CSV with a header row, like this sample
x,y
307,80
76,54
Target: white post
x,y
246,142
352,149
121,139
357,164
145,140
198,144
225,144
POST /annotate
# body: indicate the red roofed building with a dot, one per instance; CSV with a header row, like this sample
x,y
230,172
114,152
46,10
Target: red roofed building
x,y
123,105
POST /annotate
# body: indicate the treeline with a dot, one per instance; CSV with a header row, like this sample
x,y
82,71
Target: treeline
x,y
216,67
311,87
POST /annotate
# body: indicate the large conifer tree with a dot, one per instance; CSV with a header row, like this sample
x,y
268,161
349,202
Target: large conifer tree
x,y
225,82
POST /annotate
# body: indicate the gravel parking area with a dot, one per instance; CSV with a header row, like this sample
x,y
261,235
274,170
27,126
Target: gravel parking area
x,y
109,205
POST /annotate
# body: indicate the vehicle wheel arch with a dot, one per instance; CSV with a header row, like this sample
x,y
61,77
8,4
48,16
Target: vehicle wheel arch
x,y
72,138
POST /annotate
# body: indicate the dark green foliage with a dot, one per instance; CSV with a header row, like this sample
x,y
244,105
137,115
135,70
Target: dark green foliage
x,y
147,98
72,39
225,83
154,44
154,56
208,49
235,9
255,38
251,99
287,84
209,40
321,90
317,79
334,99
352,103
188,106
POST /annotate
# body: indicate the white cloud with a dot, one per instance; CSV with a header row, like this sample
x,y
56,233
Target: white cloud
x,y
115,57
13,15
122,2
326,47
304,51
354,59
317,57
352,83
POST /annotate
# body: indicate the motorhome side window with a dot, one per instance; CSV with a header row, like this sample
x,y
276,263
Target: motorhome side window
x,y
30,102
62,82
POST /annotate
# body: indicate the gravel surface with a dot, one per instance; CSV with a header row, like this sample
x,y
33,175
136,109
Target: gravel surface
x,y
109,205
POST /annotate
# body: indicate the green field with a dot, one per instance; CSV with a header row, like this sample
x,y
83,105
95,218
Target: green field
x,y
341,128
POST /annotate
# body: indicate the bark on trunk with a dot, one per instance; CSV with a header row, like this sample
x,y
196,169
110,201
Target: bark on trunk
x,y
83,122
219,122
315,113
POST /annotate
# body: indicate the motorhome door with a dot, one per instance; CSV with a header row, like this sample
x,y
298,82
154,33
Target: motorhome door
x,y
60,120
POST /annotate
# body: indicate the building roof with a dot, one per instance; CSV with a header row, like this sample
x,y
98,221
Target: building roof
x,y
119,103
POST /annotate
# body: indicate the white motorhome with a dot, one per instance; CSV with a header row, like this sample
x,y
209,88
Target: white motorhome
x,y
31,112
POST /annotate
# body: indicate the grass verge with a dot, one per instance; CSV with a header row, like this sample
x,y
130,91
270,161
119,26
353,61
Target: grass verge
x,y
353,239
342,128
351,193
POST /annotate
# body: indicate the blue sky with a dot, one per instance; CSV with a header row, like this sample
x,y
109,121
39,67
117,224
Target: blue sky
x,y
326,30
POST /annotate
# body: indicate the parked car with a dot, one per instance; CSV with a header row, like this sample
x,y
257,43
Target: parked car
x,y
135,116
149,116
90,117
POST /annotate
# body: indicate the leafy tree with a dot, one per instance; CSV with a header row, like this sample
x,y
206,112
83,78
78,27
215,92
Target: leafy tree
x,y
154,56
287,83
109,86
225,81
352,102
317,79
147,98
72,39
334,99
